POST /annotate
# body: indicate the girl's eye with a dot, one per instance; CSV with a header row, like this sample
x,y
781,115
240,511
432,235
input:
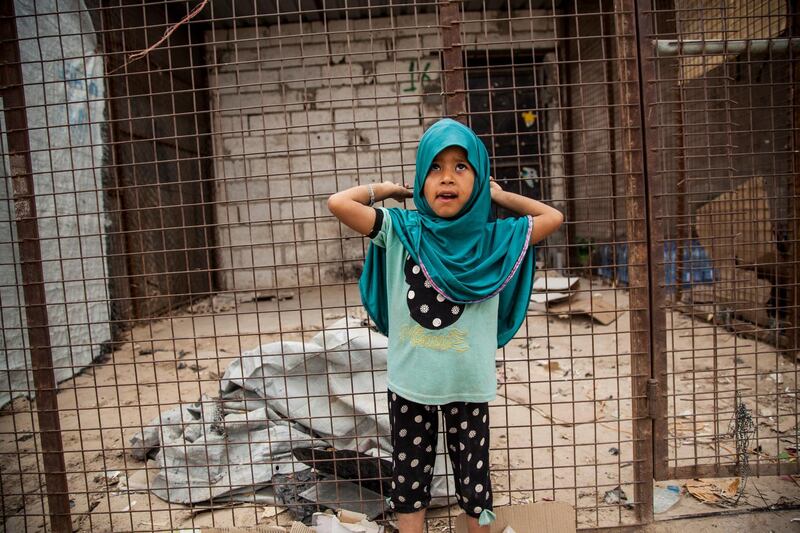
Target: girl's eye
x,y
434,166
461,166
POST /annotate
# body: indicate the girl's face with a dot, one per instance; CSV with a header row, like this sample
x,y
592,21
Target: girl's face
x,y
449,182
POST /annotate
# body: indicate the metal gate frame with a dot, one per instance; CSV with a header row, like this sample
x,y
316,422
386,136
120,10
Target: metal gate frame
x,y
637,72
635,66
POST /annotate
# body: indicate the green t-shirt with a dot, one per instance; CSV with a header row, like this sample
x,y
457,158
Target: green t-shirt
x,y
439,351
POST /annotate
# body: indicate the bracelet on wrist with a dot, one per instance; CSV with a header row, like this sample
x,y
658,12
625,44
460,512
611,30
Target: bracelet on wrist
x,y
371,192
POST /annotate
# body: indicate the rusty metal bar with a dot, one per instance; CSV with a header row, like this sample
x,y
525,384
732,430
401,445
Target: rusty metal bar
x,y
120,288
634,168
652,76
608,73
13,92
680,207
795,188
453,61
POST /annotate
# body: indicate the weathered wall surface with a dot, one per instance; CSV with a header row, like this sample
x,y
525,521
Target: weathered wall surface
x,y
301,111
64,92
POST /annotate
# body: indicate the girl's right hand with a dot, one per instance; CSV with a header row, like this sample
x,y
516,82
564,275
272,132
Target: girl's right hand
x,y
395,191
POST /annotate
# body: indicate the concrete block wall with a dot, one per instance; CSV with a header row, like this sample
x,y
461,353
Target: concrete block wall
x,y
304,110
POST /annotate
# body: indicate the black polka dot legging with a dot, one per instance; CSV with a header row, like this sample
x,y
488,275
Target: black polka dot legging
x,y
414,433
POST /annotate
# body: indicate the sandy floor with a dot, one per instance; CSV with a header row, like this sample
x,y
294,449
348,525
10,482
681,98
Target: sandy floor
x,y
561,423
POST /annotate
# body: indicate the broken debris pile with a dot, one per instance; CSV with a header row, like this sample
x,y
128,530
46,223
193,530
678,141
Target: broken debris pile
x,y
560,296
279,398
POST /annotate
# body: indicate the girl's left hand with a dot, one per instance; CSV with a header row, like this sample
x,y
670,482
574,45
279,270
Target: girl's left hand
x,y
494,188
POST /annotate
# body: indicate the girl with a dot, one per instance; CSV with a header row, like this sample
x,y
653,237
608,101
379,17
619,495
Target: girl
x,y
449,286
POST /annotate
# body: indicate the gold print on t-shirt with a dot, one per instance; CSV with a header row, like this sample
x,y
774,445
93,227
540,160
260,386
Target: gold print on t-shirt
x,y
454,339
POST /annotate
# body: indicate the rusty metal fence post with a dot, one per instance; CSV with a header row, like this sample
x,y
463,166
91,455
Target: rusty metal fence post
x,y
13,94
453,62
634,114
794,77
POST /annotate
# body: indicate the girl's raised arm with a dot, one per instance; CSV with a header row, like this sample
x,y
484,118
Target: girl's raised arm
x,y
353,206
546,219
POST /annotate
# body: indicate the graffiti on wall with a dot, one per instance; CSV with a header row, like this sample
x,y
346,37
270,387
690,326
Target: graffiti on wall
x,y
417,75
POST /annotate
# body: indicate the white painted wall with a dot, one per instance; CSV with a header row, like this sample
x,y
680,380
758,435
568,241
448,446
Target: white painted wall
x,y
64,94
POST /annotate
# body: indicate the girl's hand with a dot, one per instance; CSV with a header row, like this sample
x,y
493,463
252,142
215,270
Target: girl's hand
x,y
494,188
395,191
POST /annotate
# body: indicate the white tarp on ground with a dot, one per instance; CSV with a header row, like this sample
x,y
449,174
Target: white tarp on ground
x,y
65,104
330,391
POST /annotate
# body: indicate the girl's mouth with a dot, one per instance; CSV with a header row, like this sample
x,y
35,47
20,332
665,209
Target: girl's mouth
x,y
446,196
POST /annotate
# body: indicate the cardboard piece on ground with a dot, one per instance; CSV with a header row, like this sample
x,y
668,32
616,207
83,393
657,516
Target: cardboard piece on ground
x,y
552,517
551,283
738,224
584,304
299,527
549,297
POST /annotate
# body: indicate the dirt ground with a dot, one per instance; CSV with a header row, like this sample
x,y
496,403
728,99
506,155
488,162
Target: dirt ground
x,y
561,424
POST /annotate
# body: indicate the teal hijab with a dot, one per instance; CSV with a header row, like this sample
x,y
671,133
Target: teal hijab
x,y
467,258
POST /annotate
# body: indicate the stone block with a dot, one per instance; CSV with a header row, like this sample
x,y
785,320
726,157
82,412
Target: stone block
x,y
328,228
305,77
317,118
306,230
243,34
280,101
316,142
324,184
289,52
270,122
364,49
240,279
308,32
345,74
379,93
235,189
300,186
274,164
323,163
356,160
232,124
432,41
257,188
417,20
408,47
308,276
232,167
353,248
304,207
263,256
240,235
221,78
255,80
283,231
334,97
255,211
331,250
285,254
355,117
306,252
244,145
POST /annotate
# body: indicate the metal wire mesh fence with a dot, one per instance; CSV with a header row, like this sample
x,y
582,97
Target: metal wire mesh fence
x,y
184,344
